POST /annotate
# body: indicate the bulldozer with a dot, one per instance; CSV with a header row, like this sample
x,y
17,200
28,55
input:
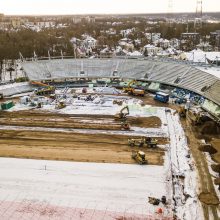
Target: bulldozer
x,y
139,157
46,90
122,115
140,142
132,91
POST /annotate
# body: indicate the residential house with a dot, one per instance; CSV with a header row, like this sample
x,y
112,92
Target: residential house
x,y
89,41
215,39
151,50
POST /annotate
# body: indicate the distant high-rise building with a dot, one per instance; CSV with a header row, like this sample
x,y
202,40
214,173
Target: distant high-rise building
x,y
198,18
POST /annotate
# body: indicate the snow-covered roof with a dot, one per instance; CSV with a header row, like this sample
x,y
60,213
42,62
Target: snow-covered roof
x,y
135,53
149,46
215,71
200,56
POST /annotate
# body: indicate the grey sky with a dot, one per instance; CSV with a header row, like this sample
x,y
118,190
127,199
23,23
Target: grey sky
x,y
101,6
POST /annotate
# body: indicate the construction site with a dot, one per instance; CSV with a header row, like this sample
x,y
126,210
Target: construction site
x,y
110,139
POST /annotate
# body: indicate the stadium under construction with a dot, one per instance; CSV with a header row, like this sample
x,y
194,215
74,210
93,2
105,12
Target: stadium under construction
x,y
110,139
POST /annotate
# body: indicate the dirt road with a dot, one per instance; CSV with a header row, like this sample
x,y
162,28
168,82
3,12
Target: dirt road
x,y
207,194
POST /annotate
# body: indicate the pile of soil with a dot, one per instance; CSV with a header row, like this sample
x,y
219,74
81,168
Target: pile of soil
x,y
208,148
208,198
210,127
216,168
217,181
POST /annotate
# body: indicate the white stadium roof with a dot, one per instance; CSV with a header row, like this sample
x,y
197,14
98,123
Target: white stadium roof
x,y
178,74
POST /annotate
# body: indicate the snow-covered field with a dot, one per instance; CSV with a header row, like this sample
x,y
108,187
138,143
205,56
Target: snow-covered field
x,y
114,190
102,105
103,191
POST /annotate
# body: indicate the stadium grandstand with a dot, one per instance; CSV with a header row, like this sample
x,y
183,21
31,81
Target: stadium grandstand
x,y
157,73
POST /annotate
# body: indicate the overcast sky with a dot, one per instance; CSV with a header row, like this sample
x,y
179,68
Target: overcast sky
x,y
29,7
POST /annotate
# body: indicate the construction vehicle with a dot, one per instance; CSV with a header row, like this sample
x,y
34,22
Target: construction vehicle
x,y
61,104
46,90
122,115
137,92
140,142
162,97
151,142
136,142
117,102
125,126
182,111
180,100
139,157
132,91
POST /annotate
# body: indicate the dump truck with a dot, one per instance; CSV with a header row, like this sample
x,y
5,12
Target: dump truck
x,y
139,157
136,142
140,142
151,142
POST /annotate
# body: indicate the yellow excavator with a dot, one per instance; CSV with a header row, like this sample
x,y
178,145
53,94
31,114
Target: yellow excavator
x,y
132,91
122,115
46,90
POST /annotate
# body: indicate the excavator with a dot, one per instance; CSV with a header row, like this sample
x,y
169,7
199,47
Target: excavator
x,y
132,91
46,90
122,115
139,157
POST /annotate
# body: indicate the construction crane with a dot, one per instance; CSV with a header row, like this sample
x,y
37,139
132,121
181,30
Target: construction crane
x,y
198,18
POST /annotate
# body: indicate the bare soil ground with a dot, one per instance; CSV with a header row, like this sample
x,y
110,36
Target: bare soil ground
x,y
69,145
103,147
216,144
46,119
73,147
